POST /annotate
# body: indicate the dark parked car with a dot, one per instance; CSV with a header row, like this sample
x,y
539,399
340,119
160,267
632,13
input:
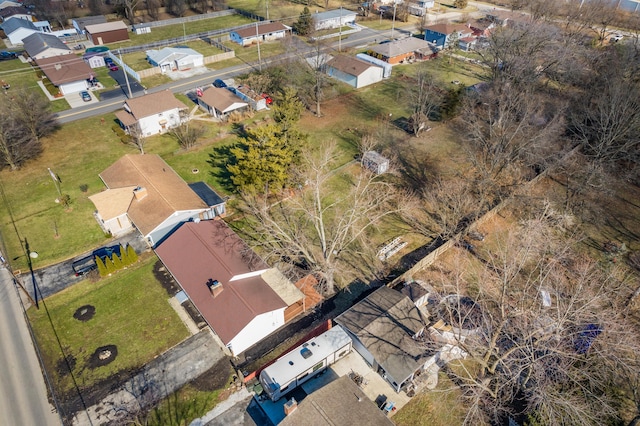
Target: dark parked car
x,y
8,55
85,96
219,83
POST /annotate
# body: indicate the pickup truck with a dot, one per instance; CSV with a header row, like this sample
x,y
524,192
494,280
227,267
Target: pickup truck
x,y
87,264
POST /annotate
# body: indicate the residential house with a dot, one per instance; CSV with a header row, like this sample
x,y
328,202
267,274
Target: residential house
x,y
353,71
109,32
69,73
442,35
17,30
152,114
262,32
255,100
41,45
338,403
94,59
333,19
403,50
15,12
482,27
175,58
386,328
144,193
240,297
502,18
420,7
80,23
220,102
468,43
8,3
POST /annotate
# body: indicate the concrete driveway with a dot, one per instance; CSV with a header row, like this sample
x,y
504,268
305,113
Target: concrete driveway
x,y
76,101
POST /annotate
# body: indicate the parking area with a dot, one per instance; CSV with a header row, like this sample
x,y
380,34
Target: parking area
x,y
75,100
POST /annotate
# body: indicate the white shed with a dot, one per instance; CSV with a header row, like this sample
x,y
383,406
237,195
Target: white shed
x,y
353,71
375,162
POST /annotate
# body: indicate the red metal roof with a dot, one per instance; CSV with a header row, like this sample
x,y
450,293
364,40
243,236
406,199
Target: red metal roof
x,y
198,253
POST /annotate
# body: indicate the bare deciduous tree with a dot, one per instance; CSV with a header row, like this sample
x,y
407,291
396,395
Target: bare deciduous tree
x,y
187,134
317,229
544,327
423,97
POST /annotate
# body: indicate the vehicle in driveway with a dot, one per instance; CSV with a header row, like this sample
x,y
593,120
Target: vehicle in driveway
x,y
85,96
112,67
219,83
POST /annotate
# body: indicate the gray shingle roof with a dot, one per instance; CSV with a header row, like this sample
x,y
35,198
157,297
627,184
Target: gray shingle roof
x,y
11,25
39,42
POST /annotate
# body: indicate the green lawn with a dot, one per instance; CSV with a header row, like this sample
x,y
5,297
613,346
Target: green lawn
x,y
131,312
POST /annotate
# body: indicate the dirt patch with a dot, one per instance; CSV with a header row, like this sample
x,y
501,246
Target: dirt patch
x,y
165,279
217,377
103,356
84,313
65,366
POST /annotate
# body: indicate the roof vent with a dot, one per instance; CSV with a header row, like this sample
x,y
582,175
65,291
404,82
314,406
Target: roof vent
x,y
58,67
306,353
139,192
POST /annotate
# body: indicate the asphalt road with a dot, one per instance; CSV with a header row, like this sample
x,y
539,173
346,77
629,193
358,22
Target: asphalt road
x,y
23,395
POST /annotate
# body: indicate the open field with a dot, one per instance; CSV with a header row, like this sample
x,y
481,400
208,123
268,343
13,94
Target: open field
x,y
131,312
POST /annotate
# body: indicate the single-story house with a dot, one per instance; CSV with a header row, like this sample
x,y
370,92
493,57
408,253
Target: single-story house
x,y
467,43
8,3
152,114
338,403
333,19
406,49
175,58
220,102
15,12
109,32
353,71
40,45
482,27
80,23
240,297
441,35
262,32
144,193
94,59
17,30
69,73
386,328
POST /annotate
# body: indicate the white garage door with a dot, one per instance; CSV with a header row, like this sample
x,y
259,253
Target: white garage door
x,y
73,87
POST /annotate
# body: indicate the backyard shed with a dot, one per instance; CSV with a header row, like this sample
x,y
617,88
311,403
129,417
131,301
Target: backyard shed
x,y
109,32
94,59
375,162
353,71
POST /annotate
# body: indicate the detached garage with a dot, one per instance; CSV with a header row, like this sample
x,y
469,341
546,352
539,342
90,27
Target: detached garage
x,y
109,32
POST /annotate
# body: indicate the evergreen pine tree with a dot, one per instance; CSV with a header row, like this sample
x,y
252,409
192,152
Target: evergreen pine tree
x,y
108,263
102,269
304,24
117,262
124,256
132,255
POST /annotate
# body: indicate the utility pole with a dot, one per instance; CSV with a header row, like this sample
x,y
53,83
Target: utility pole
x,y
340,38
258,39
393,24
126,77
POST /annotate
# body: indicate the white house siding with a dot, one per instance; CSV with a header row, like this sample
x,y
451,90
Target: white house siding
x,y
73,87
348,17
51,52
170,223
370,76
259,328
160,123
20,34
96,61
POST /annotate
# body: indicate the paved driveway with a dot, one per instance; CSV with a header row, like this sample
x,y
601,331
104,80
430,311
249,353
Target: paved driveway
x,y
76,101
118,76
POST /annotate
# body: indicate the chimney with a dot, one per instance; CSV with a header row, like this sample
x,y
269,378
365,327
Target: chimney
x,y
290,406
215,287
139,193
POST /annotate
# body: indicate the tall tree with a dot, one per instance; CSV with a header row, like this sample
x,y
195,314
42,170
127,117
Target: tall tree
x,y
423,97
317,229
187,134
304,25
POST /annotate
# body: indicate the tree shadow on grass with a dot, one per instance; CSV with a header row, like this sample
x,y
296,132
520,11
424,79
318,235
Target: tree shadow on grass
x,y
219,160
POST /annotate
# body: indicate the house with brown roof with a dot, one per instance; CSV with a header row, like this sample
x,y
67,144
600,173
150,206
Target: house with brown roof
x,y
240,297
69,73
403,50
220,102
339,403
386,328
108,32
259,33
144,193
152,114
353,71
442,35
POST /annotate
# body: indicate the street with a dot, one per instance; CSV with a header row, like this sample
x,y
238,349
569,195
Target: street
x,y
23,395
